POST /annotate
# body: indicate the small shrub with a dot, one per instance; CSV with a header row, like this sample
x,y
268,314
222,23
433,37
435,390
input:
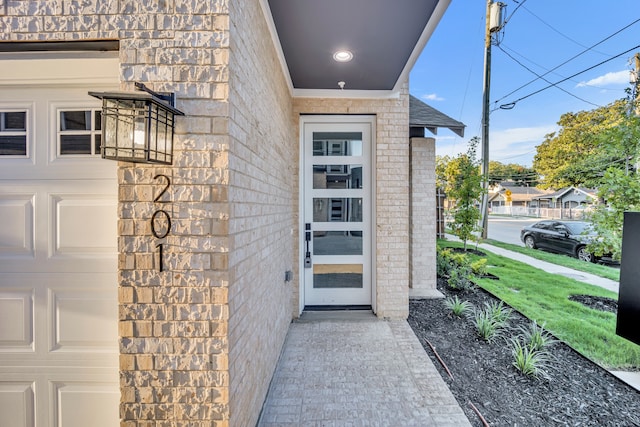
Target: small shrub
x,y
499,312
460,259
530,362
443,262
460,279
479,267
536,337
486,325
457,307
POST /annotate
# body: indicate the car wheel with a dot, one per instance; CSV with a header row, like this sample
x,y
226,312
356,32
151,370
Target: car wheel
x,y
584,255
529,242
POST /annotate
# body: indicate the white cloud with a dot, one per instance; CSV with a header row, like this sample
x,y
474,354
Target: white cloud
x,y
432,97
515,145
614,78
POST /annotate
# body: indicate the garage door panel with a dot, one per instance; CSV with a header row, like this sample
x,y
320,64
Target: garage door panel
x,y
17,320
17,404
17,231
77,316
81,404
83,225
55,224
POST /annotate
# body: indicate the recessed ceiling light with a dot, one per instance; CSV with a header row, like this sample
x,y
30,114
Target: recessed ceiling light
x,y
343,56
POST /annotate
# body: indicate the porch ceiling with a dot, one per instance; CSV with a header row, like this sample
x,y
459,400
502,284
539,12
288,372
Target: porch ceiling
x,y
385,38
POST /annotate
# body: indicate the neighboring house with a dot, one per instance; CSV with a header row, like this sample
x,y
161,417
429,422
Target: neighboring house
x,y
511,195
278,142
567,203
568,198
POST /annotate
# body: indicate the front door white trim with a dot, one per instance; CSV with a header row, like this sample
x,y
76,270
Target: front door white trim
x,y
340,122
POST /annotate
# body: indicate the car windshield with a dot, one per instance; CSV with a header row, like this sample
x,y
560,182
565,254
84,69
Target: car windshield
x,y
580,228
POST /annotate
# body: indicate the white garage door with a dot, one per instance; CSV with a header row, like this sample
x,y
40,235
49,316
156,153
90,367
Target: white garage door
x,y
58,260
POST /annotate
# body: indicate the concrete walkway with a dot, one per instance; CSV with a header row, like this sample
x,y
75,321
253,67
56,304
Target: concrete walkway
x,y
353,369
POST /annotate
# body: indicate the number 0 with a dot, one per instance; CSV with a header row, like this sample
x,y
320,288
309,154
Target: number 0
x,y
153,224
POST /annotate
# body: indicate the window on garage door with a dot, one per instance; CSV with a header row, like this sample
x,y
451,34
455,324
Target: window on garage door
x,y
13,133
79,132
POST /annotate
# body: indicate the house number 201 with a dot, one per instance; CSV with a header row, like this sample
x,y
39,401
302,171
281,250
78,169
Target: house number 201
x,y
160,220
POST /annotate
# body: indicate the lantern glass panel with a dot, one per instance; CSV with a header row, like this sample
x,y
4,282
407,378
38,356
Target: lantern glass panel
x,y
124,129
161,135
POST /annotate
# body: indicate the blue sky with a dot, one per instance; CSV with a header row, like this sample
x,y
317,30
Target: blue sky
x,y
540,34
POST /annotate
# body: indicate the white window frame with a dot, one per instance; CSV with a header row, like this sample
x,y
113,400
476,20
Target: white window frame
x,y
92,133
28,132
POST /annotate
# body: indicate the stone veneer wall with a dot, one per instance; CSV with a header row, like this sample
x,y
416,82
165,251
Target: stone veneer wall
x,y
391,218
263,184
175,326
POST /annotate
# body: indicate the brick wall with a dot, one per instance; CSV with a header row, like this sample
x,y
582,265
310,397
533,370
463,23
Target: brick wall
x,y
423,218
263,184
391,218
174,325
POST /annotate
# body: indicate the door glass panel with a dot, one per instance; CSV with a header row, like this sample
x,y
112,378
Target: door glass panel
x,y
337,242
337,209
337,143
337,176
337,275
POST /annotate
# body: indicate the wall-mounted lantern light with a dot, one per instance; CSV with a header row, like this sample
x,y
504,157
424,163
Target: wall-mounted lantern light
x,y
138,126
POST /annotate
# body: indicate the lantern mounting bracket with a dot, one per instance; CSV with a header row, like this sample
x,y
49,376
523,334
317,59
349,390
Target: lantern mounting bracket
x,y
168,97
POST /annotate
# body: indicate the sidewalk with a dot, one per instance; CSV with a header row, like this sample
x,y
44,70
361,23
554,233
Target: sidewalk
x,y
552,268
353,369
631,378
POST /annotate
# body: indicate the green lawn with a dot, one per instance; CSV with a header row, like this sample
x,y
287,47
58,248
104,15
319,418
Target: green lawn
x,y
601,270
543,297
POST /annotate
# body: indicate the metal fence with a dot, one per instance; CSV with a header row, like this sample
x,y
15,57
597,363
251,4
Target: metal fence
x,y
535,212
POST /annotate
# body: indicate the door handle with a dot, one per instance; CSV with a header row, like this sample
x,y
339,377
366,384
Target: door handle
x,y
307,238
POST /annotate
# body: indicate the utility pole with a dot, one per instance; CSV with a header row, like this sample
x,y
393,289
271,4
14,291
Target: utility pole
x,y
493,24
635,99
636,83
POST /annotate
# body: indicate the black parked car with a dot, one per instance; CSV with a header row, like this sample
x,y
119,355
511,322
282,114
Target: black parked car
x,y
568,237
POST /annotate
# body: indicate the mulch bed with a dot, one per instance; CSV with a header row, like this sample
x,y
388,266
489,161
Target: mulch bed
x,y
578,393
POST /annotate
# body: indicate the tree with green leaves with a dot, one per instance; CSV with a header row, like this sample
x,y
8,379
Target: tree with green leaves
x,y
619,187
587,143
520,175
621,191
464,187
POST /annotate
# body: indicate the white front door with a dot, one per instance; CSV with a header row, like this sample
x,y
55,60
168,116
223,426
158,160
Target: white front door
x,y
336,234
58,253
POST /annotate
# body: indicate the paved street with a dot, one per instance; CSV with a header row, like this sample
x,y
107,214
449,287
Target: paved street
x,y
507,229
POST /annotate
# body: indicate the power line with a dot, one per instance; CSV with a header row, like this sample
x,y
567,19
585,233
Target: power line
x,y
541,77
513,104
570,59
559,32
514,52
519,5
